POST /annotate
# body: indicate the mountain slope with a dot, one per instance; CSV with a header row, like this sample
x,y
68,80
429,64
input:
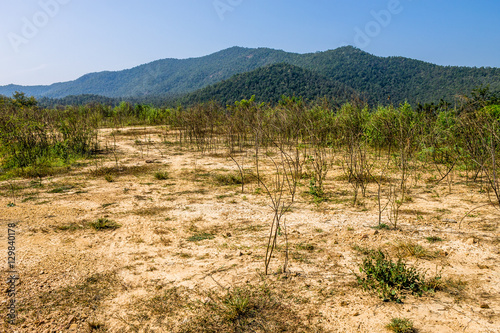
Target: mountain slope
x,y
398,78
380,79
167,76
269,83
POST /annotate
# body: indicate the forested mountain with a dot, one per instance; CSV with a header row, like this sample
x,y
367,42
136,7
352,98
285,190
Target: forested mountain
x,y
381,80
398,78
271,82
83,99
167,76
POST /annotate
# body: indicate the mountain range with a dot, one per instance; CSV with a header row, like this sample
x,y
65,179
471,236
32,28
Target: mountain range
x,y
267,73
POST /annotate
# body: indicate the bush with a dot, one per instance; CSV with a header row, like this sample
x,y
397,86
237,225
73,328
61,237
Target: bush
x,y
391,279
39,138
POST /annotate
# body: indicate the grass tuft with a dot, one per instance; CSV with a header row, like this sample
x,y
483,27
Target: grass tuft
x,y
61,189
104,224
246,309
227,179
161,175
410,249
305,246
200,236
400,325
434,239
382,226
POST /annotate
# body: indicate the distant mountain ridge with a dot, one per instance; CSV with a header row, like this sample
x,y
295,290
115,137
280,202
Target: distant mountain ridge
x,y
380,79
167,76
271,82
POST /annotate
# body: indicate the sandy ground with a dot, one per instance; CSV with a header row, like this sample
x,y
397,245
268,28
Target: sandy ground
x,y
77,279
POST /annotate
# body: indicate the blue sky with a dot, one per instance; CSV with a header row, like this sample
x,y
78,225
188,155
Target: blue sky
x,y
47,41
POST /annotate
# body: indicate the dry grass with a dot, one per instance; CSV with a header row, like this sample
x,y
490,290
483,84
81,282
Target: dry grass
x,y
113,171
252,308
136,132
150,211
83,298
411,249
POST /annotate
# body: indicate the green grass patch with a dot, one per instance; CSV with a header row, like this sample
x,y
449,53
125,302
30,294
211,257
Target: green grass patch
x,y
61,189
382,226
434,239
200,236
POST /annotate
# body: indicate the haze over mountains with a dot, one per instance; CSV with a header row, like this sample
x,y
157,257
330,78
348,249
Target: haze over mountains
x,y
269,73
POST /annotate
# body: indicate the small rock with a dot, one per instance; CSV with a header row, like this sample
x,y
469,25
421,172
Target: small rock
x,y
364,237
42,272
355,314
150,161
471,241
239,253
344,303
375,232
228,234
484,306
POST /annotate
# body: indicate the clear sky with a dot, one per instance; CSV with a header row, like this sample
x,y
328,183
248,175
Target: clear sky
x,y
47,41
